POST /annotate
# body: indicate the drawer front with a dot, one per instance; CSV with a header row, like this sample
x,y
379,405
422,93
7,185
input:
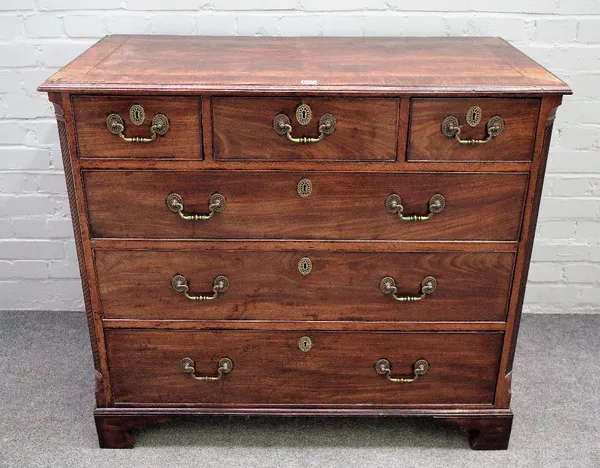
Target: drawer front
x,y
180,139
364,129
428,142
270,368
267,205
292,285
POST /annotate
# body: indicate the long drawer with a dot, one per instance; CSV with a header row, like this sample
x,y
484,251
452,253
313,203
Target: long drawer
x,y
263,367
292,285
316,205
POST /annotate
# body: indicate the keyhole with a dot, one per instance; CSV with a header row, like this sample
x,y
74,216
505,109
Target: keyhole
x,y
474,116
137,115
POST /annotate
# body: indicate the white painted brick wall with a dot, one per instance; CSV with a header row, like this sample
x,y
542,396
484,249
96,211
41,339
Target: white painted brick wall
x,y
38,268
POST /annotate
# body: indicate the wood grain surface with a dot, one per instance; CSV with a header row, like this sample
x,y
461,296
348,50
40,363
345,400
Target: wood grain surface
x,y
266,205
270,368
183,140
268,286
175,64
515,143
366,129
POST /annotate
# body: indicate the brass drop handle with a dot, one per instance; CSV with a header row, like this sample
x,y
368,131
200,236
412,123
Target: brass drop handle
x,y
216,204
180,284
388,287
393,204
451,128
116,126
283,126
225,366
383,367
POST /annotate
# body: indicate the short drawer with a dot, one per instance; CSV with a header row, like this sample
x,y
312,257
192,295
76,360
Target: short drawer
x,y
489,129
332,368
318,129
322,205
138,127
293,285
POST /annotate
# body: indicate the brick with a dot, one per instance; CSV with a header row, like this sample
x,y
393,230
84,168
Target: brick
x,y
545,272
579,138
209,24
84,26
425,26
29,228
25,269
585,86
151,5
63,269
241,5
555,30
6,231
555,252
26,205
318,5
575,208
574,186
343,25
46,25
17,54
31,249
79,5
24,158
578,7
560,229
300,26
588,230
17,182
52,183
591,295
582,273
32,78
127,24
21,105
10,27
10,82
59,228
574,58
16,5
258,25
13,133
580,112
384,25
581,162
552,294
59,53
172,24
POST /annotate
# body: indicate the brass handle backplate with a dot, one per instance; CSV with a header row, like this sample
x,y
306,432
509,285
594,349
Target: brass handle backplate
x,y
388,287
116,125
180,284
393,204
216,204
283,125
451,129
225,366
383,367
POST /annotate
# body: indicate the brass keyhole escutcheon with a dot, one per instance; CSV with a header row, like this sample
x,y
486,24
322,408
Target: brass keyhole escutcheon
x,y
304,188
303,114
304,344
305,266
474,116
137,114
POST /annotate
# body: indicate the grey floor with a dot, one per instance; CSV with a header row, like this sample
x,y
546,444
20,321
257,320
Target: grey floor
x,y
46,412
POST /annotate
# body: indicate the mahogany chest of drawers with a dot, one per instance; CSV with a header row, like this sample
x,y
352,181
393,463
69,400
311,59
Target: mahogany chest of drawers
x,y
315,226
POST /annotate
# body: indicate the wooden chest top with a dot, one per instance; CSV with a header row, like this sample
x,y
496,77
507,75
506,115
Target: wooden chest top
x,y
176,64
